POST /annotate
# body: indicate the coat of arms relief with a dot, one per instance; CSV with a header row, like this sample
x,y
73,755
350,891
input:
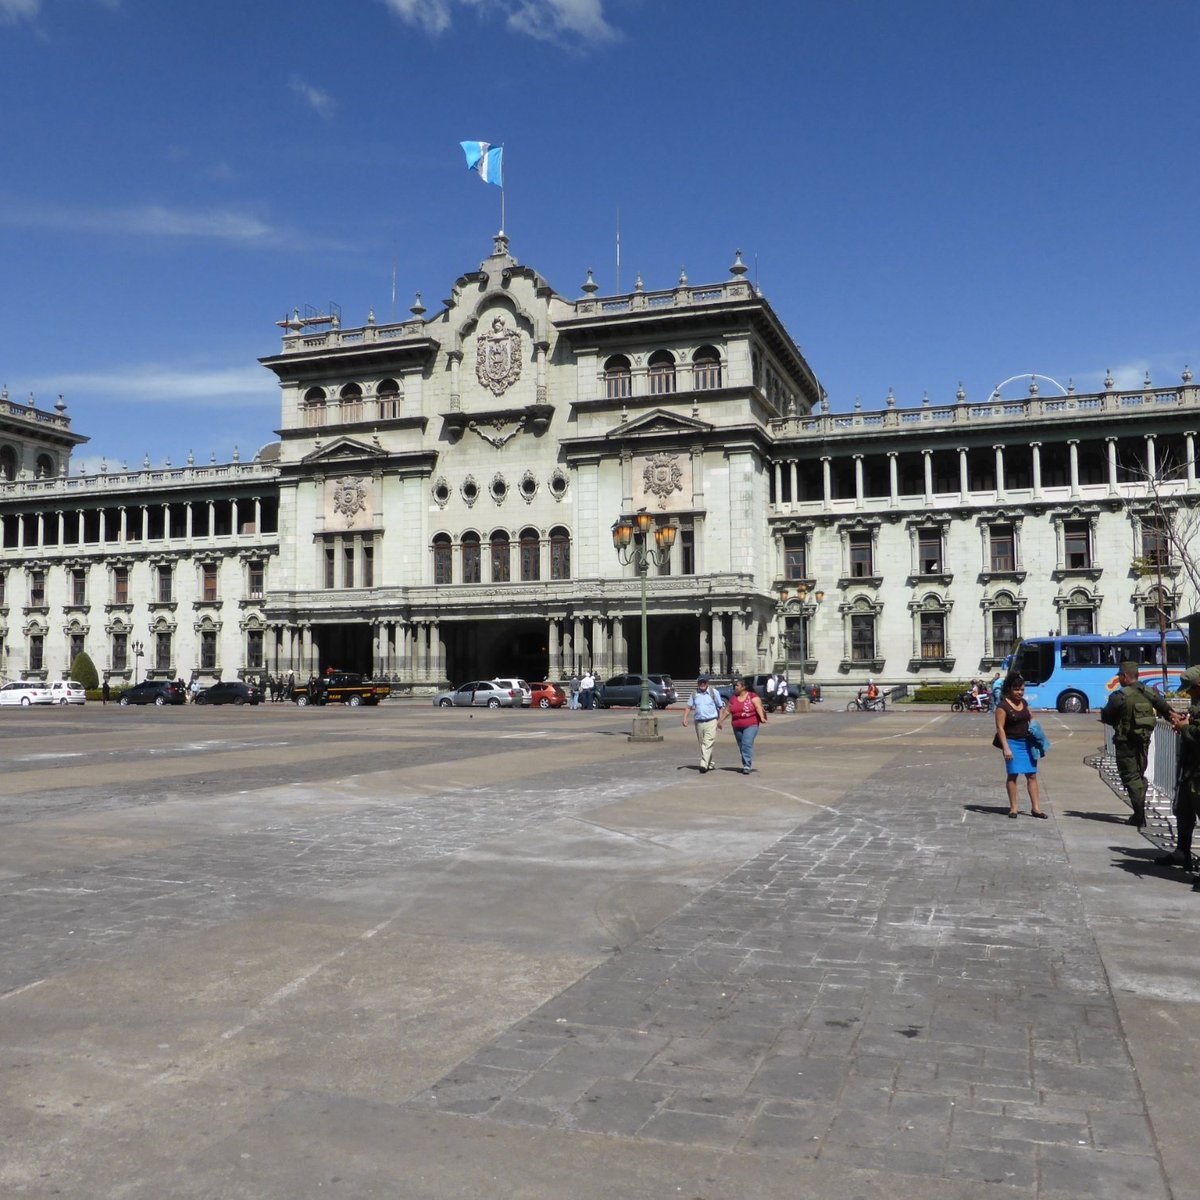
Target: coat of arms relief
x,y
662,476
498,358
348,498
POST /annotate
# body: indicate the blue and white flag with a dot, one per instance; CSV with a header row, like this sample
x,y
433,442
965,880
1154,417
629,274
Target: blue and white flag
x,y
487,160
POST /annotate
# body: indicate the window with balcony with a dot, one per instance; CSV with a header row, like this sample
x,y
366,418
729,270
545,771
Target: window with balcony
x,y
472,558
1077,544
120,585
78,588
120,651
208,583
162,651
862,638
37,589
1156,542
37,652
862,559
208,650
254,649
795,556
706,369
618,378
388,395
256,578
368,565
662,373
929,551
313,408
933,636
166,584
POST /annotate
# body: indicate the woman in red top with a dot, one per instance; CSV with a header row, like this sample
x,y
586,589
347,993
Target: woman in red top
x,y
746,712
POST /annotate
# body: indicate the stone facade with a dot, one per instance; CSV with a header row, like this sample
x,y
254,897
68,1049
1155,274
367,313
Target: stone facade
x,y
440,504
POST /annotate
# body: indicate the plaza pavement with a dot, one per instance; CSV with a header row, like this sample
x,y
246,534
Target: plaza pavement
x,y
284,953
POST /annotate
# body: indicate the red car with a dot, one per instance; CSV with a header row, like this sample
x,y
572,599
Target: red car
x,y
547,695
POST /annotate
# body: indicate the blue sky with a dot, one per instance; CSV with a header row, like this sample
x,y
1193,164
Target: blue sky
x,y
933,191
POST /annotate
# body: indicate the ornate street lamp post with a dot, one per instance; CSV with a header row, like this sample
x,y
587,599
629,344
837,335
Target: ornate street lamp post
x,y
137,650
631,542
801,597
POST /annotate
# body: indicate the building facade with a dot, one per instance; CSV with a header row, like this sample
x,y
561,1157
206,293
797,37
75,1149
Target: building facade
x,y
440,501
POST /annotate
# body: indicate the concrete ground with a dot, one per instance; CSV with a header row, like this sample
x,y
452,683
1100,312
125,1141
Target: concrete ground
x,y
401,952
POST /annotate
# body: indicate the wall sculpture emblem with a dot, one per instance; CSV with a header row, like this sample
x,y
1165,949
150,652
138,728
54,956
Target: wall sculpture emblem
x,y
498,358
662,476
349,497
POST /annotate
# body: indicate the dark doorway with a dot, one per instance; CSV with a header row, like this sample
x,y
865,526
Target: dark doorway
x,y
496,650
674,645
344,647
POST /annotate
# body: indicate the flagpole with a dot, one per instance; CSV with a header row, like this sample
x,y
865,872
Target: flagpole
x,y
503,172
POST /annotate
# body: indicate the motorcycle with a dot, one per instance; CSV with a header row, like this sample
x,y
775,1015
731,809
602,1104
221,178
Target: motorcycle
x,y
864,703
968,703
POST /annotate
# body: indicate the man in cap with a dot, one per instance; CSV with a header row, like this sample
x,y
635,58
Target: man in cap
x,y
706,703
1132,711
1187,787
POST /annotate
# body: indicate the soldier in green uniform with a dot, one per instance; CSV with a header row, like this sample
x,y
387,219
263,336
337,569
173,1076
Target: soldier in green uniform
x,y
1187,787
1132,711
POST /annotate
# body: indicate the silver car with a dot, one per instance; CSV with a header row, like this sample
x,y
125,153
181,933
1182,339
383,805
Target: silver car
x,y
481,693
517,685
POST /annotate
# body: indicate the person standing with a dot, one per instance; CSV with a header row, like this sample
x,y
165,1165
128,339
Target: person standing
x,y
746,713
1013,716
573,691
708,705
1187,785
105,691
587,690
1132,711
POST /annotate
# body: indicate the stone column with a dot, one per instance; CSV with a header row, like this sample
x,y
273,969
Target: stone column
x,y
999,471
166,523
1036,450
124,523
858,480
1073,451
777,471
794,471
1151,457
577,645
705,648
103,514
1191,458
826,479
187,516
554,667
145,523
964,478
893,478
41,529
927,455
1112,465
717,644
437,650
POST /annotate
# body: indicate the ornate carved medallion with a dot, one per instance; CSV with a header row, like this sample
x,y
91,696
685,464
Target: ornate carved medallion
x,y
662,476
349,497
498,358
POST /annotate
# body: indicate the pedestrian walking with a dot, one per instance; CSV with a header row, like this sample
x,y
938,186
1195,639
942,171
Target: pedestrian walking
x,y
1013,717
104,691
745,711
573,692
1187,783
1133,711
707,704
587,690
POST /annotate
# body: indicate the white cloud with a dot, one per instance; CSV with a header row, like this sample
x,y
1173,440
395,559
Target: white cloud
x,y
321,102
160,382
12,11
546,20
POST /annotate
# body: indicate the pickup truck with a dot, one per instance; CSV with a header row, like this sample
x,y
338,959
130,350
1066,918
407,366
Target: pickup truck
x,y
342,687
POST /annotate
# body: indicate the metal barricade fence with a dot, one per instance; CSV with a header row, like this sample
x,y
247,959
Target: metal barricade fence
x,y
1162,763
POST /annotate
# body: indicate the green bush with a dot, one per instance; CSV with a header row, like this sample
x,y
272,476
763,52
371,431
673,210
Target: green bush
x,y
83,670
939,693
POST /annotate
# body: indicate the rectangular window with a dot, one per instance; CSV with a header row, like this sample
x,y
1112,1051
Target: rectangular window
x,y
79,588
120,579
348,566
531,566
862,639
209,583
795,556
560,558
162,651
37,589
166,591
330,568
929,552
1081,621
472,566
37,649
120,651
208,650
442,563
501,560
1156,546
933,636
861,559
389,407
1002,548
257,579
687,551
3,594
368,565
1077,551
1004,632
254,649
76,646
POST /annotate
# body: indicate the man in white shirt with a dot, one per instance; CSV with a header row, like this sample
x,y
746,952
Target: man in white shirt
x,y
587,689
706,703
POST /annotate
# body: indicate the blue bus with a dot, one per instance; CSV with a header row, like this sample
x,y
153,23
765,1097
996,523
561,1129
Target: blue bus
x,y
1077,672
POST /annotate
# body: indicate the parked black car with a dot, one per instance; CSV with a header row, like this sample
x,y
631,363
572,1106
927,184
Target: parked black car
x,y
627,690
232,691
154,691
770,702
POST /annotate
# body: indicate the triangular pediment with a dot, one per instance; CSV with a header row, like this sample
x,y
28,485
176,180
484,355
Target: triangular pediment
x,y
660,421
343,449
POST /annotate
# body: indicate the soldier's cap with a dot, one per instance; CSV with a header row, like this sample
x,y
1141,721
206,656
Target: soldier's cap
x,y
1190,678
1130,668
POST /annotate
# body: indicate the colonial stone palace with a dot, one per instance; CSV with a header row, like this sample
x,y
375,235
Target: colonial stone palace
x,y
440,500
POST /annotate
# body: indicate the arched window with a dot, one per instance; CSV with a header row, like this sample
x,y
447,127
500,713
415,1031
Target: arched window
x,y
617,377
443,566
1005,614
472,559
8,463
1158,605
706,369
314,407
560,553
389,400
531,556
352,404
501,557
45,466
1081,613
662,373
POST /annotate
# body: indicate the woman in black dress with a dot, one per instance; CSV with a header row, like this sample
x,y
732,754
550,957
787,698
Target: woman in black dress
x,y
1012,735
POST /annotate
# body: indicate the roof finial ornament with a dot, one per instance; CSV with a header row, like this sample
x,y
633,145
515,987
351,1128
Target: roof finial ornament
x,y
1147,384
638,285
961,394
191,459
145,462
418,309
1187,374
1070,385
61,406
370,316
891,399
739,268
590,287
857,404
1109,382
924,399
236,456
1033,385
683,277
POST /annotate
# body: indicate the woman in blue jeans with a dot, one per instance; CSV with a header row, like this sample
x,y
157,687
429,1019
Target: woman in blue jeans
x,y
746,712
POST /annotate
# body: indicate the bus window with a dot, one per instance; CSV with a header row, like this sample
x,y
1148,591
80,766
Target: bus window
x,y
1035,661
1085,655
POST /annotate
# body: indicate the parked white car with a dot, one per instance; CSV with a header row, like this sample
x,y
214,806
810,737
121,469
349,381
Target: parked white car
x,y
68,691
25,692
518,685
